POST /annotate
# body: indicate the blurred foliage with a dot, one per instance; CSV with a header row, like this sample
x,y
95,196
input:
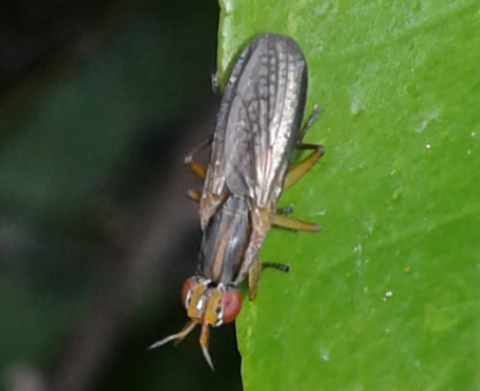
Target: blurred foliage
x,y
386,296
92,108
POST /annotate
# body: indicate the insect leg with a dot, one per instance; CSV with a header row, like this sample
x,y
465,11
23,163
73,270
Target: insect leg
x,y
293,224
286,210
315,113
283,267
301,168
255,272
197,168
195,195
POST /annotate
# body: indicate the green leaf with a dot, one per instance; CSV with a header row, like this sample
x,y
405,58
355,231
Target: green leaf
x,y
387,296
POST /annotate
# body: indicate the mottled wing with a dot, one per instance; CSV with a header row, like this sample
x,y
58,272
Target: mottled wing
x,y
258,123
231,134
265,118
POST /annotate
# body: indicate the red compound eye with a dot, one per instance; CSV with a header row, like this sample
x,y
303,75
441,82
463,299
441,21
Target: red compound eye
x,y
187,289
232,304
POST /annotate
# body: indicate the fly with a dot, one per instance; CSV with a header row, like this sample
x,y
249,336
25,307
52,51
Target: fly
x,y
258,126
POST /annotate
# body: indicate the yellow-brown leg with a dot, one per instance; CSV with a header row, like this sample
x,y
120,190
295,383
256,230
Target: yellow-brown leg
x,y
301,168
195,195
293,224
293,175
197,168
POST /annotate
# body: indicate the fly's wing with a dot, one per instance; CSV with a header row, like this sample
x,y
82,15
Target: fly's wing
x,y
270,101
257,125
220,165
264,118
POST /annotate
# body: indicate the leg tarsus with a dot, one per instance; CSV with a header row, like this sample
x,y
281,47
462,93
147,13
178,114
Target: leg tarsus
x,y
311,119
282,267
255,272
311,146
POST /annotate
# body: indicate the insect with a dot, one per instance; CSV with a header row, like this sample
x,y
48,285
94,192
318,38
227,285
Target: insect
x,y
259,124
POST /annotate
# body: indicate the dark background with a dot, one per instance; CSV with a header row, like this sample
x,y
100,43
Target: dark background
x,y
99,104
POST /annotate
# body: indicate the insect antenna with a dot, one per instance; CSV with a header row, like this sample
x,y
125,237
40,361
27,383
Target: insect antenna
x,y
179,336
